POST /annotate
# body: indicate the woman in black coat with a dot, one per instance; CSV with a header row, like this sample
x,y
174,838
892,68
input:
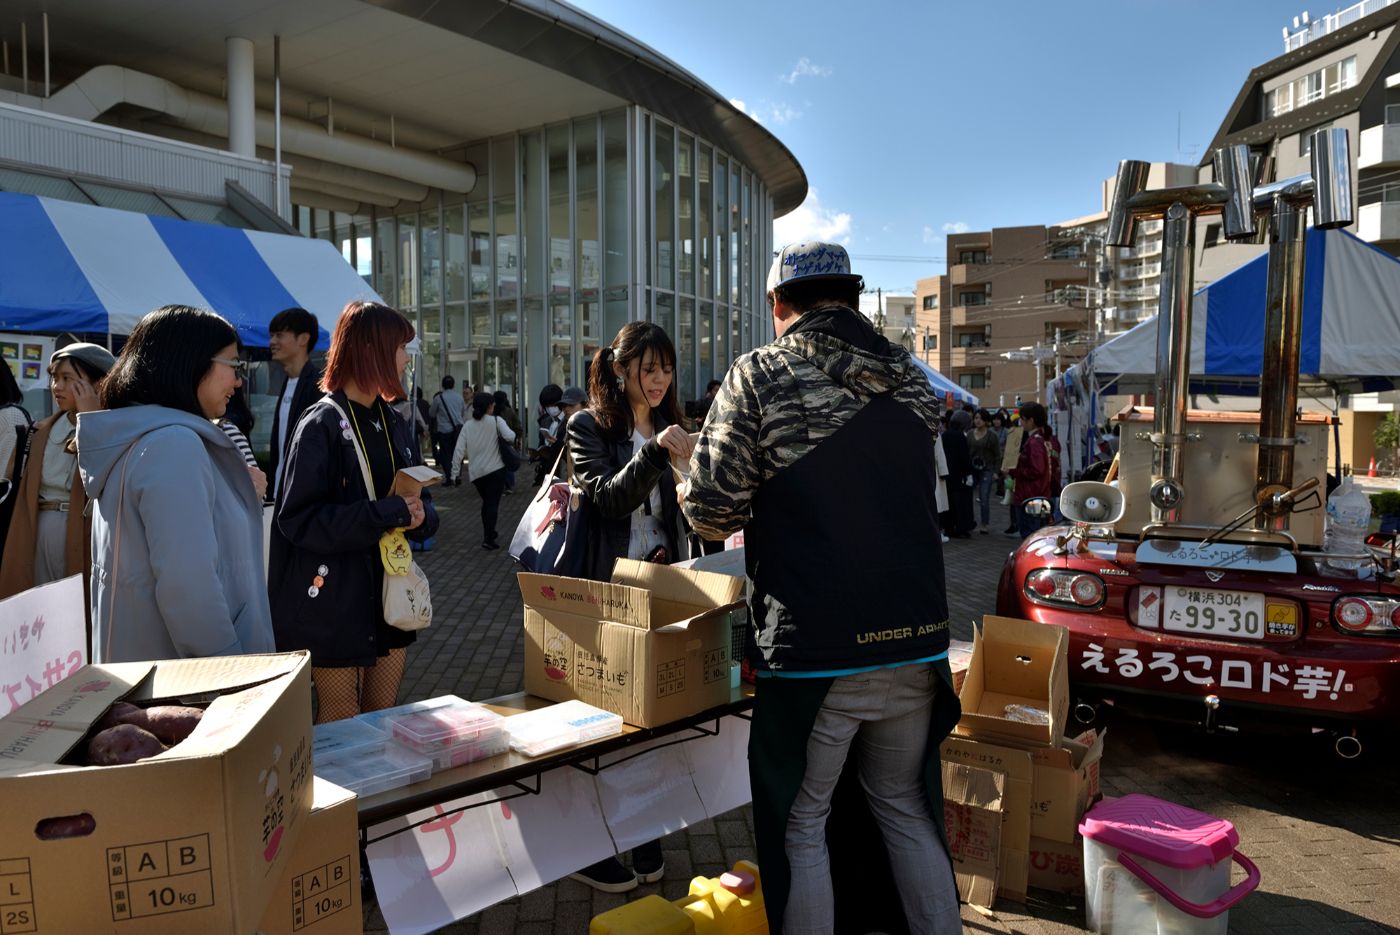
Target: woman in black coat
x,y
960,475
621,448
326,576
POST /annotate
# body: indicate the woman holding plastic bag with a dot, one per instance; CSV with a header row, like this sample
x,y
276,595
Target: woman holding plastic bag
x,y
621,448
327,573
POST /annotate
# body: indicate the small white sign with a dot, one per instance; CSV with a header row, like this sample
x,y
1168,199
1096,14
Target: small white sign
x,y
43,640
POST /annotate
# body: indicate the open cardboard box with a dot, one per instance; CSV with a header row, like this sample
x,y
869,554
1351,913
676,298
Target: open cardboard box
x,y
319,893
1016,663
1066,782
1019,772
973,816
652,645
192,840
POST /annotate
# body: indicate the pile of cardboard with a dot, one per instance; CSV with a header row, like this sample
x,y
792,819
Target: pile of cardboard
x,y
1015,785
224,832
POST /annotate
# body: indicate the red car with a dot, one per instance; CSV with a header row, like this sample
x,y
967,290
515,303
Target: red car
x,y
1220,647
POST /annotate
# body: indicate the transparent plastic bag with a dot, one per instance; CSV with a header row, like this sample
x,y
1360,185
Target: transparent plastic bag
x,y
1027,714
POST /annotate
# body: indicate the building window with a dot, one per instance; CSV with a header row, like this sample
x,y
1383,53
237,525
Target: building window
x,y
930,302
1306,137
1328,80
930,342
1073,250
973,339
1392,115
972,256
972,298
1390,192
972,381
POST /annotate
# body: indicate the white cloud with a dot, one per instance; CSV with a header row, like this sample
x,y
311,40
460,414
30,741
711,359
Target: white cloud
x,y
805,68
956,227
929,235
783,113
743,108
812,220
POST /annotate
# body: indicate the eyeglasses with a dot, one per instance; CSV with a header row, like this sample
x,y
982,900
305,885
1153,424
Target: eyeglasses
x,y
240,367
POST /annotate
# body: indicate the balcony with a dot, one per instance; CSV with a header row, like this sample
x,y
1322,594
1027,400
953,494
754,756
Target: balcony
x,y
975,356
1379,221
960,274
1380,147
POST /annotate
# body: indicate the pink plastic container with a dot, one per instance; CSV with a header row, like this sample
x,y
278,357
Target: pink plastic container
x,y
1156,867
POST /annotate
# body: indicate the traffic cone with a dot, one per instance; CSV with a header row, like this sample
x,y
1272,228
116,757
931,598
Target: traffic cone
x,y
1371,471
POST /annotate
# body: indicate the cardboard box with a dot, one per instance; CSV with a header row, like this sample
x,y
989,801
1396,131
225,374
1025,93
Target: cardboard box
x,y
1066,783
1057,866
959,658
1016,662
192,840
651,645
319,894
973,816
1016,765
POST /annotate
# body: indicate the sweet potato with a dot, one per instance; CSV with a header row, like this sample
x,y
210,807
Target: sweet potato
x,y
122,712
124,743
172,723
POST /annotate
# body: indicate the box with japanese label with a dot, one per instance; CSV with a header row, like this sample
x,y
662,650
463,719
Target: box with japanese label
x,y
193,837
652,645
1017,685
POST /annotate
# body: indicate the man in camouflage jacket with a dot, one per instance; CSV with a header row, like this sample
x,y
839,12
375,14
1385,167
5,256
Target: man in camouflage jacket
x,y
820,446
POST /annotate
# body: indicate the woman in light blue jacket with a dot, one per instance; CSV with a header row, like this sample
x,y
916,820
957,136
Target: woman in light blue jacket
x,y
177,568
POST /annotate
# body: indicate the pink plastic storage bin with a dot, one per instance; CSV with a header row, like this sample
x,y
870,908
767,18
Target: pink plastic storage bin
x,y
1155,868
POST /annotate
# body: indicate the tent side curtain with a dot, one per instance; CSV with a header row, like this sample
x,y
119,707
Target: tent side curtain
x,y
1350,329
81,268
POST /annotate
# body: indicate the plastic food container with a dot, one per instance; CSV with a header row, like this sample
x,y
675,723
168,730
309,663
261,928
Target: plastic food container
x,y
471,751
562,725
450,725
379,719
1156,868
370,773
349,734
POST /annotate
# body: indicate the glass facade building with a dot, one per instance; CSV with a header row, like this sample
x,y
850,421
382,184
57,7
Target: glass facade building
x,y
572,230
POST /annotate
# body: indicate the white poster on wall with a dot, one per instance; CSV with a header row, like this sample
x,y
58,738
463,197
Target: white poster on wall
x,y
458,864
43,639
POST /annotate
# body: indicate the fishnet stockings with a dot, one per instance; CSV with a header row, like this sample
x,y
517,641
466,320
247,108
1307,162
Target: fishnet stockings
x,y
346,692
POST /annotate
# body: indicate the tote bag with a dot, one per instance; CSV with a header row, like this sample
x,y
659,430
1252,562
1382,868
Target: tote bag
x,y
550,537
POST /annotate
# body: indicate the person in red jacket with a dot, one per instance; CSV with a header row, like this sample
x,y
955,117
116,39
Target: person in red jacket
x,y
1037,470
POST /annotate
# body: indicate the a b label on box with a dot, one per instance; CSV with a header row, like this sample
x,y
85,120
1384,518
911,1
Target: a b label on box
x,y
160,877
321,892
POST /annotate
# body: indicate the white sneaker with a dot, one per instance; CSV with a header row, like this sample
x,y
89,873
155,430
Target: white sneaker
x,y
945,538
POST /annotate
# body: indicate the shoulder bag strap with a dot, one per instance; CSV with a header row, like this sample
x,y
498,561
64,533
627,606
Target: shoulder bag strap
x,y
116,553
360,455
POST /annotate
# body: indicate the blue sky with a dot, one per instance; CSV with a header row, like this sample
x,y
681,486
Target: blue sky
x,y
914,119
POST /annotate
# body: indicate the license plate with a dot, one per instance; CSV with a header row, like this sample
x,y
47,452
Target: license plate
x,y
1209,612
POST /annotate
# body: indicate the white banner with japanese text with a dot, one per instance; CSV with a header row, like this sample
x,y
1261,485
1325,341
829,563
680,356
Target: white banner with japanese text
x,y
43,640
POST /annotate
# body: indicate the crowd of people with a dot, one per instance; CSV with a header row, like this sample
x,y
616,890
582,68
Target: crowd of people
x,y
171,546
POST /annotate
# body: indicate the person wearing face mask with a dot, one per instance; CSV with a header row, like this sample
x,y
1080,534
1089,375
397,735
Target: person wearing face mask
x,y
177,554
48,537
621,448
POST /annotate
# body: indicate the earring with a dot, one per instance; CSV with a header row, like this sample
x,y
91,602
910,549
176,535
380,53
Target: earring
x,y
621,384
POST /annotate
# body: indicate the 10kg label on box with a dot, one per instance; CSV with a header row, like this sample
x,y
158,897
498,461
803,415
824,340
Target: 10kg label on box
x,y
159,877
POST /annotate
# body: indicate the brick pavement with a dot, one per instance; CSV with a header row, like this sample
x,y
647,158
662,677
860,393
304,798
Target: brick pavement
x,y
1323,832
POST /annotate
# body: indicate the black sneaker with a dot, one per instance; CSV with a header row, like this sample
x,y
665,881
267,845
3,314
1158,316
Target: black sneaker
x,y
647,862
607,876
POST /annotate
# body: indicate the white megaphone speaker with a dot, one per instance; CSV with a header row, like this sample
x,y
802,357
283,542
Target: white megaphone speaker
x,y
1091,503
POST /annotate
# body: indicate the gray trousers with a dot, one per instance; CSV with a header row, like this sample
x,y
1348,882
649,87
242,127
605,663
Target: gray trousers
x,y
882,718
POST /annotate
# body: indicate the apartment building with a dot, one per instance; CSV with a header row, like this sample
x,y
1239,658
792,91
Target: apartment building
x,y
1011,305
895,317
1342,70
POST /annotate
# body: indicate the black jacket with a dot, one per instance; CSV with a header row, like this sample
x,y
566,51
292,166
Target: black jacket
x,y
616,484
325,520
307,391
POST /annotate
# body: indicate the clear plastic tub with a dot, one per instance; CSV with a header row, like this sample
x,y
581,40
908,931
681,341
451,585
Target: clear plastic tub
x,y
378,719
562,725
471,751
349,734
447,726
371,773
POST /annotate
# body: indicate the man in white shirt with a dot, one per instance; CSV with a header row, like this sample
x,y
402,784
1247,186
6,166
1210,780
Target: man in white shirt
x,y
291,338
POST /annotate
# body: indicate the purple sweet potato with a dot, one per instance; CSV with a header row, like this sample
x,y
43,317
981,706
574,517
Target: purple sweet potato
x,y
172,723
125,743
122,712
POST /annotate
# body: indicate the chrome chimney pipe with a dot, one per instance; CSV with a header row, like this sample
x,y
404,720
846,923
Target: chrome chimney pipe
x,y
1328,192
1122,224
1230,166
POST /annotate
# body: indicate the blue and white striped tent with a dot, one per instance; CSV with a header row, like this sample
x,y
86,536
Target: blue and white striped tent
x,y
86,269
942,386
1350,328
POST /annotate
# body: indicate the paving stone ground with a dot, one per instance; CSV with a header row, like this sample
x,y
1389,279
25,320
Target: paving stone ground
x,y
1324,832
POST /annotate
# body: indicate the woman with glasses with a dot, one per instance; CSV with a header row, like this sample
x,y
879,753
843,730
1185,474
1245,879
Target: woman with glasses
x,y
48,537
177,567
327,573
